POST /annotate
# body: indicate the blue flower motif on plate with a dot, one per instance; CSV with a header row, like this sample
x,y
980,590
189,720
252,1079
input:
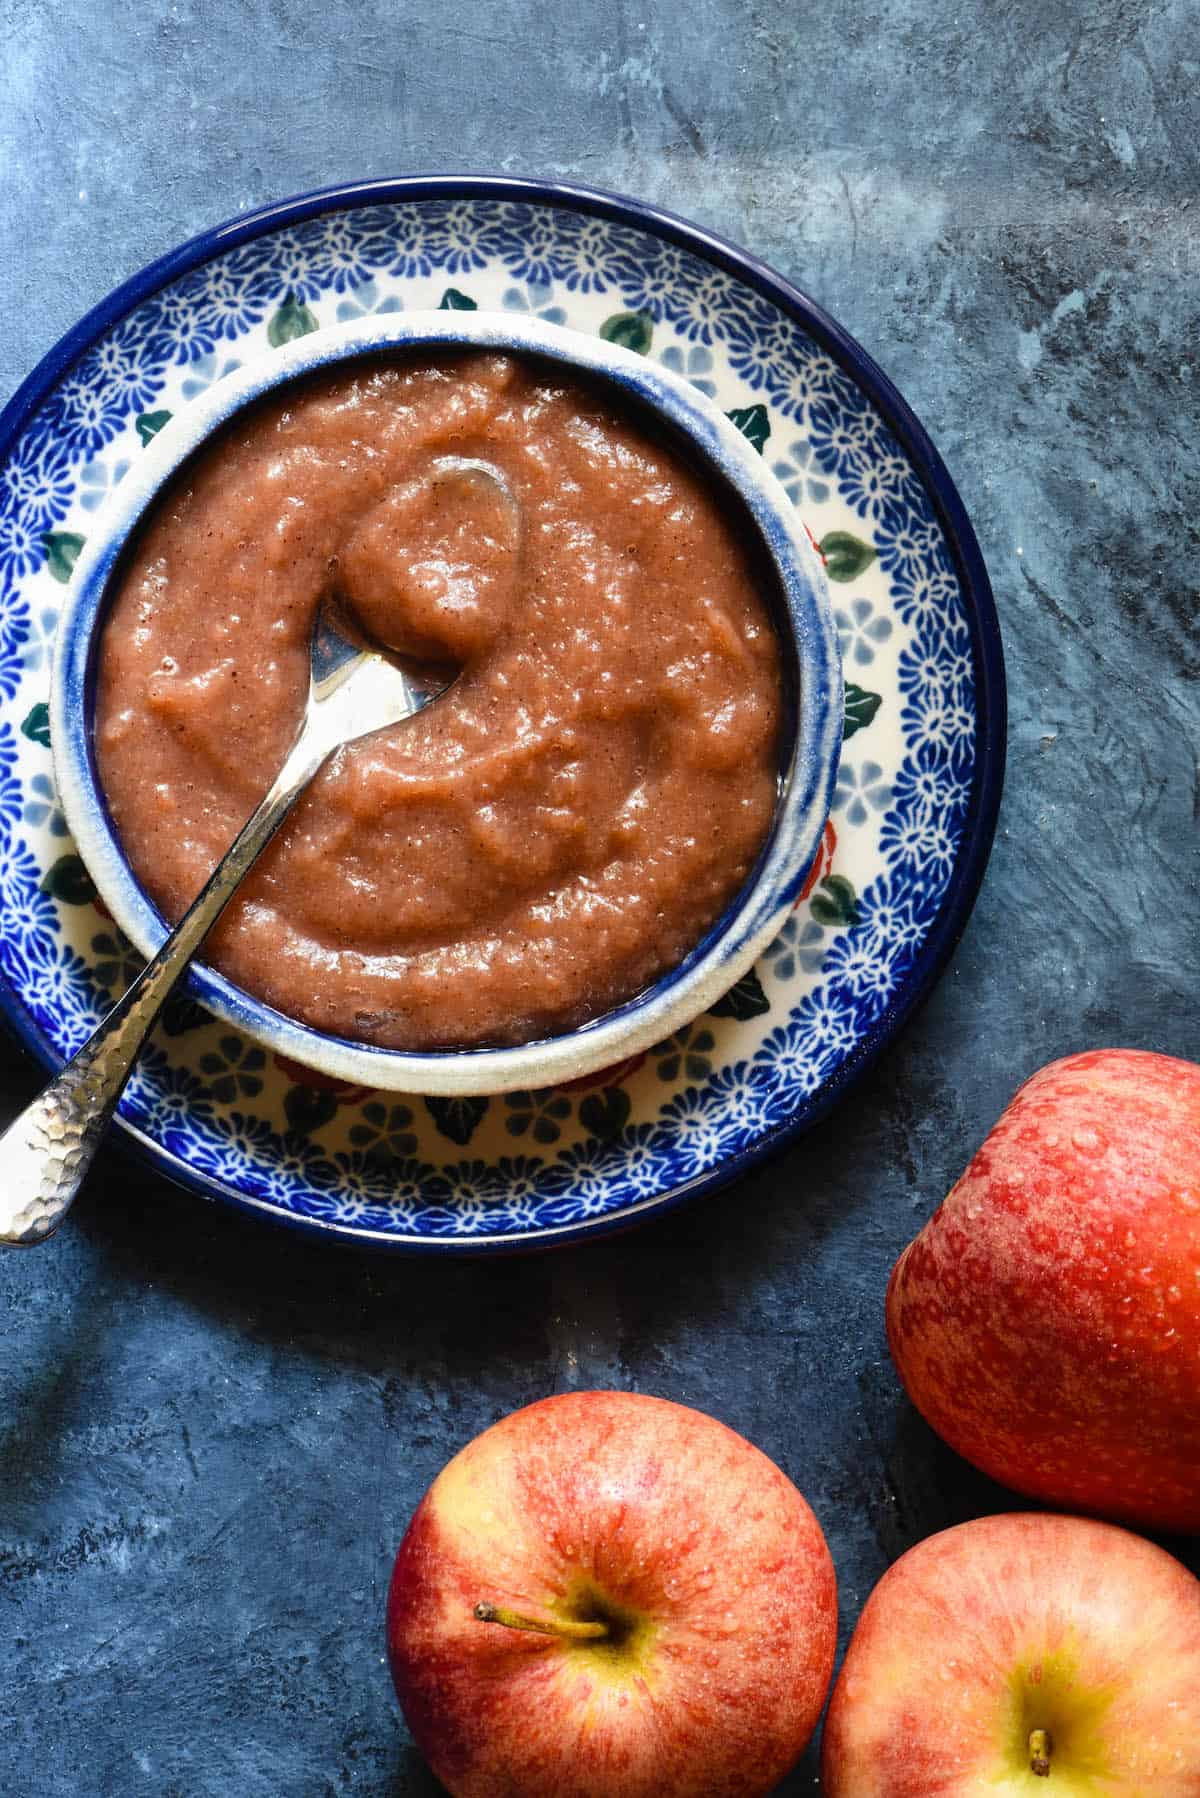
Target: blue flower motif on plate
x,y
97,481
40,808
801,943
860,791
206,368
583,253
37,485
861,629
536,298
296,264
793,470
694,364
339,257
364,298
231,296
176,314
528,240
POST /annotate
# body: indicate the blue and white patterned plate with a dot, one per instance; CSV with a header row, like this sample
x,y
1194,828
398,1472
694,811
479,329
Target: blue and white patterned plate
x,y
913,812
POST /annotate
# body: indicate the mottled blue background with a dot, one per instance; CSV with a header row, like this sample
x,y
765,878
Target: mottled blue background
x,y
212,1433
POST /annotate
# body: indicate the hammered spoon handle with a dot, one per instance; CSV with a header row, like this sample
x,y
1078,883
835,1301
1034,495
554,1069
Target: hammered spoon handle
x,y
47,1150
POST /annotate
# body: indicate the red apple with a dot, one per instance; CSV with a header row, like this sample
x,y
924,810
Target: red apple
x,y
1021,1654
1046,1321
669,1598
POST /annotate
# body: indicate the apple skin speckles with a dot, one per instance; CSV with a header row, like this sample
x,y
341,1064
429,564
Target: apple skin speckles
x,y
706,1558
1019,1638
1046,1321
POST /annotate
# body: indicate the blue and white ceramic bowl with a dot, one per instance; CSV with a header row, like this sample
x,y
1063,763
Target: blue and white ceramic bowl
x,y
913,810
808,645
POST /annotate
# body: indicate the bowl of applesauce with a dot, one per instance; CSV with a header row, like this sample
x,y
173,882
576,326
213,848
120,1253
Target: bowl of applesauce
x,y
596,830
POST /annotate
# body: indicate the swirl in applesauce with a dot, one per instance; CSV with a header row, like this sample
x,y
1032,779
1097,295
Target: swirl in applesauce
x,y
559,829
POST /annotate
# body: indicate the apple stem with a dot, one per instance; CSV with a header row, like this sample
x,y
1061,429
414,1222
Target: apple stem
x,y
1039,1752
566,1627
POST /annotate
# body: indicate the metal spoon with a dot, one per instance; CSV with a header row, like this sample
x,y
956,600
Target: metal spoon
x,y
47,1150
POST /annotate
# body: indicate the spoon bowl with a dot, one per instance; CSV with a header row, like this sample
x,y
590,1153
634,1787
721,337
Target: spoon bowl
x,y
435,561
356,688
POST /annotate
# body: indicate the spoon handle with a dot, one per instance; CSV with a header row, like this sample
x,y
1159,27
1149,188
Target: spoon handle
x,y
48,1148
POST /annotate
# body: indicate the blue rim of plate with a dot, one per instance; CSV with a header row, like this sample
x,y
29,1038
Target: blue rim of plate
x,y
990,688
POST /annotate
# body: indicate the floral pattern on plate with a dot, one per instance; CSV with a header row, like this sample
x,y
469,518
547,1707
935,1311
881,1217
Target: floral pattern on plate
x,y
222,1115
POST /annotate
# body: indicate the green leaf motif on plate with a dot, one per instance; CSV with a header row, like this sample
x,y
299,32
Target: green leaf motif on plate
x,y
754,424
861,707
307,1108
835,903
149,424
845,555
457,1119
67,879
632,330
294,319
455,300
745,1000
37,725
62,552
605,1114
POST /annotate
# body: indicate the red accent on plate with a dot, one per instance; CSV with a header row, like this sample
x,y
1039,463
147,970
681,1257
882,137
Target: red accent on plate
x,y
822,861
323,1083
611,1076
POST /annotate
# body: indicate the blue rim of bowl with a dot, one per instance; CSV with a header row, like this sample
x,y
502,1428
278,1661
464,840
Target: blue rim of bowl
x,y
811,738
991,703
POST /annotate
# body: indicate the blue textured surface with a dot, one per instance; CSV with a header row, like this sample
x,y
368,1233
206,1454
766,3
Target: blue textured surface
x,y
214,1433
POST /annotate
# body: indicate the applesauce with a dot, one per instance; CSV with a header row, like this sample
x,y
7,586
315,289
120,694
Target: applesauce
x,y
567,821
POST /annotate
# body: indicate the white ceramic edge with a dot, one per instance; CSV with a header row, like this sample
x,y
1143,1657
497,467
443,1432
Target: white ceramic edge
x,y
807,786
